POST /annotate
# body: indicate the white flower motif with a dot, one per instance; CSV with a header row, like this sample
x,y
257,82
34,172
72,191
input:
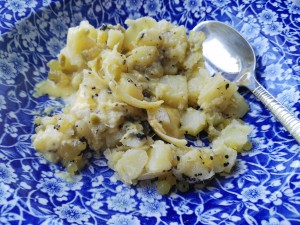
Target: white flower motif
x,y
220,3
275,198
125,190
267,16
72,213
26,30
2,102
182,208
151,7
120,219
273,72
192,5
107,4
97,181
53,187
250,30
147,191
16,6
7,174
11,130
260,45
134,4
5,193
254,194
294,6
121,203
7,71
273,28
54,46
275,221
96,201
31,3
289,97
19,63
155,208
58,27
46,2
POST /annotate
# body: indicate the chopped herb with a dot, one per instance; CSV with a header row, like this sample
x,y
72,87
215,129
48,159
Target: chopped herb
x,y
103,27
56,126
140,135
142,35
52,151
146,93
83,139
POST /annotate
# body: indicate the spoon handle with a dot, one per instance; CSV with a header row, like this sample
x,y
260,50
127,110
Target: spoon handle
x,y
287,119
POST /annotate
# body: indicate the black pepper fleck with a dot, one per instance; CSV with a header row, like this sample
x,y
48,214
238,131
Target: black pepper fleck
x,y
103,27
56,126
226,164
142,35
140,135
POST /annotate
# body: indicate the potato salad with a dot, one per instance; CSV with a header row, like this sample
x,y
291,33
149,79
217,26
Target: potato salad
x,y
133,94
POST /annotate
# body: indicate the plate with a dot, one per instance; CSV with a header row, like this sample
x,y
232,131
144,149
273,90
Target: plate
x,y
264,187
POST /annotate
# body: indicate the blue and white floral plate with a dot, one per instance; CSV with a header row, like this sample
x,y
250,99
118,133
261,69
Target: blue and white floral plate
x,y
263,189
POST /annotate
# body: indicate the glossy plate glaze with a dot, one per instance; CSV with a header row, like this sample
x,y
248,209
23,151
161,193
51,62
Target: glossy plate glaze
x,y
264,187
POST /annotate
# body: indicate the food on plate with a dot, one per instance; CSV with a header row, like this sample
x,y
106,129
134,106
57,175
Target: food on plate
x,y
133,94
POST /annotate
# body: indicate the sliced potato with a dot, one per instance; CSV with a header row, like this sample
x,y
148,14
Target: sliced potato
x,y
165,121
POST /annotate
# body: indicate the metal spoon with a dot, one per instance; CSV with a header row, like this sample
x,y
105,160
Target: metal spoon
x,y
226,51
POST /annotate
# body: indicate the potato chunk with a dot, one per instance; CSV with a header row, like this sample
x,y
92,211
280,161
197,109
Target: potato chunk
x,y
234,135
173,90
192,121
160,157
131,165
191,168
216,93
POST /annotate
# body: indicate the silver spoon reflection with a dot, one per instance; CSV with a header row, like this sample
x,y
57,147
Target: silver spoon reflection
x,y
226,51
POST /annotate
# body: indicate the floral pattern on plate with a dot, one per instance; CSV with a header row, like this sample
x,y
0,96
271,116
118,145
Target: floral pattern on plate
x,y
263,188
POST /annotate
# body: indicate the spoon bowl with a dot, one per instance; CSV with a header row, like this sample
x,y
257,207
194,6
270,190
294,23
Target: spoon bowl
x,y
226,51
